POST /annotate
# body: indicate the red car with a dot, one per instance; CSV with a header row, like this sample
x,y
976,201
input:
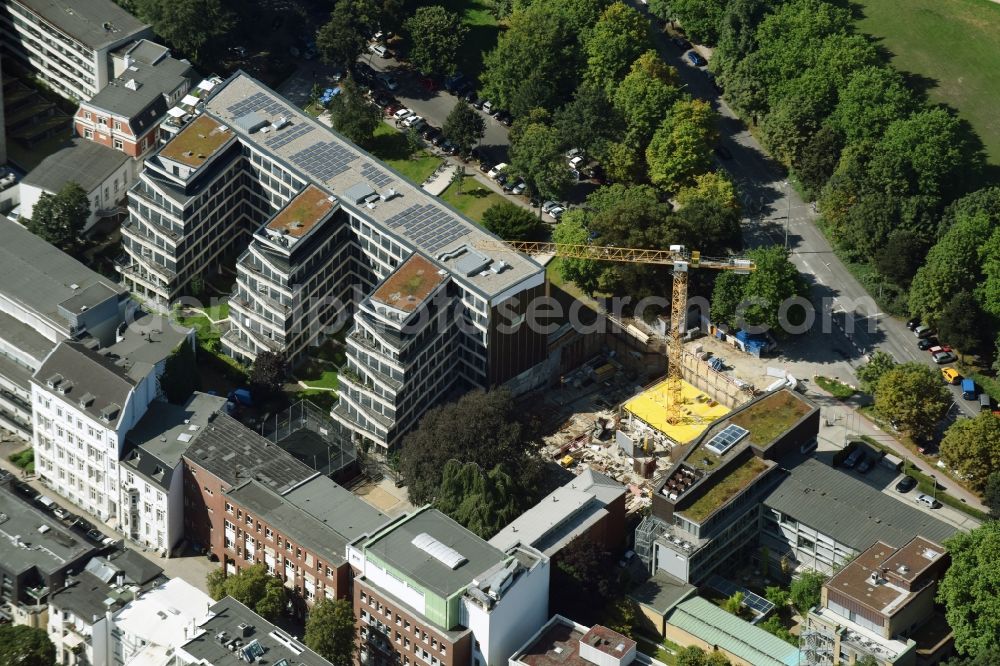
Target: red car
x,y
428,84
938,349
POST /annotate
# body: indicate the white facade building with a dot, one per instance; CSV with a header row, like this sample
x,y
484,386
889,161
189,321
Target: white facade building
x,y
150,630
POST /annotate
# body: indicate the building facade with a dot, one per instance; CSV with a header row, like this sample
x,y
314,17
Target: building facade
x,y
67,45
563,641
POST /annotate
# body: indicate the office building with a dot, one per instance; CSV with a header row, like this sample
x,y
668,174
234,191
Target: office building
x,y
431,290
563,642
67,44
589,506
46,296
152,477
881,606
426,590
125,115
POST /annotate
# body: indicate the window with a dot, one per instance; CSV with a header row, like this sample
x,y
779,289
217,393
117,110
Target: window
x,y
119,145
229,508
268,533
249,520
86,114
88,134
118,124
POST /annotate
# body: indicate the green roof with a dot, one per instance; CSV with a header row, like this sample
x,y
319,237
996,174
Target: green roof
x,y
715,626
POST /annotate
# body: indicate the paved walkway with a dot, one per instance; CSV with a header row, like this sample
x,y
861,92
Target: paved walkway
x,y
440,180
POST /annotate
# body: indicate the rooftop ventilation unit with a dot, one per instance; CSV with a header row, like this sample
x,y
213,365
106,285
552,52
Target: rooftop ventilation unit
x,y
281,122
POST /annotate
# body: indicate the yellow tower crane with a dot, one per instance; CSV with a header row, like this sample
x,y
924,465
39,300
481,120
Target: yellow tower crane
x,y
676,256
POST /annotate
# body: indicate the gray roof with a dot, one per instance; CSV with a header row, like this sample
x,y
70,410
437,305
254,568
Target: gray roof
x,y
395,547
146,340
139,93
319,515
564,514
234,453
848,510
227,616
39,276
143,50
107,384
50,552
164,433
136,569
95,23
84,596
17,334
662,592
86,163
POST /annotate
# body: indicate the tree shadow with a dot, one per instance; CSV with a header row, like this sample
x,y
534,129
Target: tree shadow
x,y
391,146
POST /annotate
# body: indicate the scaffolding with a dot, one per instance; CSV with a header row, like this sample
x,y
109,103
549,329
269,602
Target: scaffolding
x,y
816,647
648,531
307,433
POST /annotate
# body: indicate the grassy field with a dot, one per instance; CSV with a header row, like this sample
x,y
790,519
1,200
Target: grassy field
x,y
954,44
390,146
473,200
837,389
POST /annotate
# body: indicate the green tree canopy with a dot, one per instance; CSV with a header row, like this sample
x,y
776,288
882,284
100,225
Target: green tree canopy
x,y
755,300
588,121
342,39
991,495
963,324
912,395
972,446
463,127
873,98
711,210
620,36
253,587
186,24
646,95
435,35
700,18
180,376
482,502
25,646
512,222
878,364
59,218
331,631
352,115
681,147
953,264
582,580
806,590
970,589
267,375
573,231
537,154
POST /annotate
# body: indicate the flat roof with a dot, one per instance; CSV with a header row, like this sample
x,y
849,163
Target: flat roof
x,y
409,285
414,217
651,405
146,341
724,487
703,619
395,547
164,433
225,622
301,214
848,510
86,163
234,453
661,592
162,615
94,23
558,644
197,142
23,546
771,415
40,277
26,339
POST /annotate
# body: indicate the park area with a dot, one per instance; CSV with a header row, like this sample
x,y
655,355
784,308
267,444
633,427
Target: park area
x,y
953,45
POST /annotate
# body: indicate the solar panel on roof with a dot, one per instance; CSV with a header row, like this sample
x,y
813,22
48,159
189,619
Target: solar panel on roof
x,y
430,227
324,160
750,599
259,102
726,439
377,176
284,137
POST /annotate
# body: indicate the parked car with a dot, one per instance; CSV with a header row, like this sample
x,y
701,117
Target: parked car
x,y
388,81
927,501
556,212
695,59
487,107
502,177
913,323
94,535
951,375
927,343
412,120
497,170
380,50
509,186
906,484
923,331
944,357
479,103
429,132
470,97
363,71
60,513
520,187
505,118
448,147
969,391
485,167
937,349
437,139
853,458
865,464
402,114
681,43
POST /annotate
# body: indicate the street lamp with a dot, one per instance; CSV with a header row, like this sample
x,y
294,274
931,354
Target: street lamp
x,y
933,487
788,211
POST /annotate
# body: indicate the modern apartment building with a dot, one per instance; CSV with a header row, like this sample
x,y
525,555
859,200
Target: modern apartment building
x,y
438,301
881,606
67,44
428,591
86,398
46,296
126,113
152,477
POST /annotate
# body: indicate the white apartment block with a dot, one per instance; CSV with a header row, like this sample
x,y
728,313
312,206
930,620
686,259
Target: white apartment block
x,y
85,402
151,629
244,164
67,44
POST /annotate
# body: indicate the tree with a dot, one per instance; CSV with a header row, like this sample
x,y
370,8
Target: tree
x,y
806,590
773,283
777,595
727,295
352,115
734,604
970,589
991,495
988,657
901,257
483,503
512,222
25,646
712,211
59,218
873,98
961,324
700,18
482,428
912,395
620,36
870,373
737,32
681,147
331,631
692,655
186,24
581,581
253,587
464,127
180,376
817,158
773,625
589,121
645,95
538,156
435,34
571,230
267,375
342,39
972,446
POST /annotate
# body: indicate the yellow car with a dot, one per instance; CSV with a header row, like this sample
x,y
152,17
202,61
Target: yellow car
x,y
951,375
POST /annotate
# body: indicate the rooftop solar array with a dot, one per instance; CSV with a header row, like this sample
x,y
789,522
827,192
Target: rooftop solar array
x,y
755,602
324,160
288,135
430,227
377,176
726,439
259,102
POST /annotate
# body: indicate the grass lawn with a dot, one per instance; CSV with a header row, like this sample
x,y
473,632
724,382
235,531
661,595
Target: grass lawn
x,y
217,311
484,31
205,331
953,43
390,146
837,389
474,199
